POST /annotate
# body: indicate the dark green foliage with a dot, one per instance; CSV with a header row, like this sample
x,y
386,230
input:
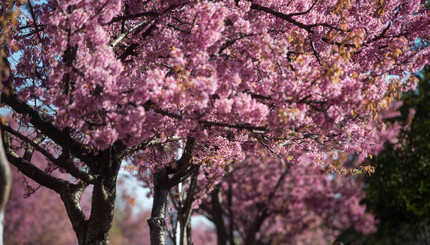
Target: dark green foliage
x,y
399,190
398,193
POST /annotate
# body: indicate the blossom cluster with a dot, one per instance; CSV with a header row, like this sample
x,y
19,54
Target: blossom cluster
x,y
294,76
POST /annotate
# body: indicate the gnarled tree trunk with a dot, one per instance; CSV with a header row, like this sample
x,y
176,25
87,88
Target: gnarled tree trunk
x,y
96,229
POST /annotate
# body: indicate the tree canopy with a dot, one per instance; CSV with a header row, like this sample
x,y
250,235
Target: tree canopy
x,y
182,87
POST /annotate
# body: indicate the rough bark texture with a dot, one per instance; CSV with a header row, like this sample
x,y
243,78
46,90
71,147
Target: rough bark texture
x,y
157,221
101,218
96,229
5,183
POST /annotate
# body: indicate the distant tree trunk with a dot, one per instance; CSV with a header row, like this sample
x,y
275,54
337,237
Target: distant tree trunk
x,y
184,218
5,183
185,232
218,217
157,221
185,209
162,186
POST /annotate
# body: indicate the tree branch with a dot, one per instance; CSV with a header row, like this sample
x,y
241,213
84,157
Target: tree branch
x,y
287,17
305,12
145,145
33,172
62,163
48,129
183,163
128,17
183,175
115,42
237,126
34,21
71,198
280,15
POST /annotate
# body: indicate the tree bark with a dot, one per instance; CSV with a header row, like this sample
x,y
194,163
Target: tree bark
x,y
185,209
157,221
185,234
5,184
184,218
217,214
96,229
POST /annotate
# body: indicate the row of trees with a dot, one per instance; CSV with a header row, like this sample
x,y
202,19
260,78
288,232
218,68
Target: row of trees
x,y
301,205
181,89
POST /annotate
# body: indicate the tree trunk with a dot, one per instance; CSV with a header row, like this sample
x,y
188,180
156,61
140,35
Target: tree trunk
x,y
218,217
185,229
185,238
103,204
5,183
157,221
96,229
185,209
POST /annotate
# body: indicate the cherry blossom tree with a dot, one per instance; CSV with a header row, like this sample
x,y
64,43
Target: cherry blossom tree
x,y
268,182
38,218
35,216
268,202
99,82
